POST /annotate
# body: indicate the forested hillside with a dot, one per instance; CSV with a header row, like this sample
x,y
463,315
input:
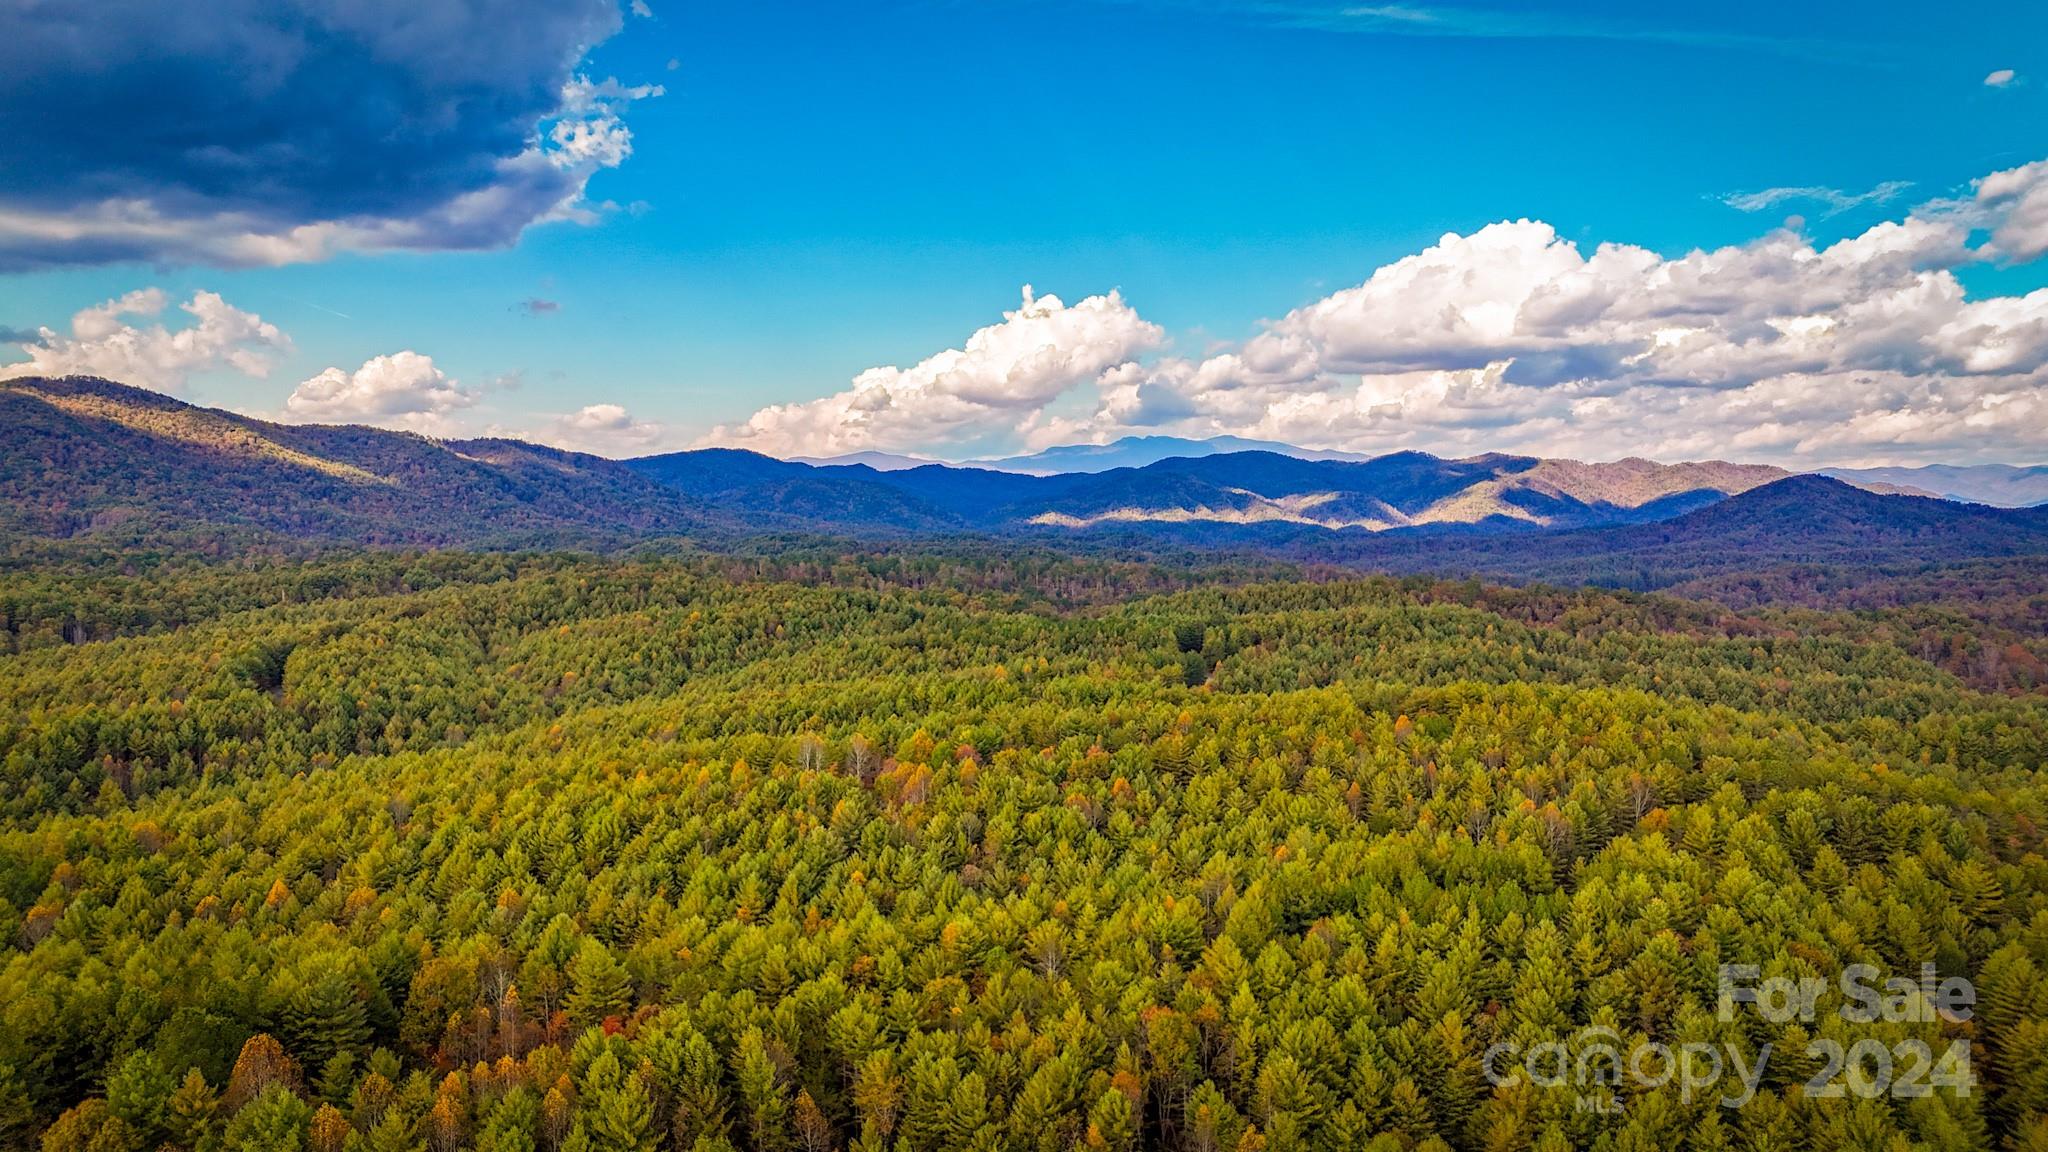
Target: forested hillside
x,y
939,851
89,460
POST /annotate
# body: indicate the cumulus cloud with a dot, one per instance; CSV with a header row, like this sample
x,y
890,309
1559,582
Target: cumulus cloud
x,y
403,390
603,429
1513,338
104,342
2001,78
260,133
2013,204
1833,200
999,382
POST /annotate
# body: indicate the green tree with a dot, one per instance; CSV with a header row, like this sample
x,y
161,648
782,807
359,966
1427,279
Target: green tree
x,y
139,1092
617,1113
600,986
277,1120
324,1012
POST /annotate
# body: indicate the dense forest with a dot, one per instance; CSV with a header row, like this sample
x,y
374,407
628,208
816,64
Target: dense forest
x,y
931,851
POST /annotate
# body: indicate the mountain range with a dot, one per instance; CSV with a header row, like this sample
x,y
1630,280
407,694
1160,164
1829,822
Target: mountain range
x,y
101,462
2003,485
1128,452
1807,521
1403,490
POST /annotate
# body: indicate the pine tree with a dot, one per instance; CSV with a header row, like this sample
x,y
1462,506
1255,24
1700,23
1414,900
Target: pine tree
x,y
1212,1124
2032,1135
17,1111
394,1133
193,1111
1110,1123
1347,1128
1979,893
967,1112
1284,1090
139,1092
275,1121
599,986
617,1113
337,1078
509,1125
700,1108
761,1093
1038,1111
324,1014
1710,1134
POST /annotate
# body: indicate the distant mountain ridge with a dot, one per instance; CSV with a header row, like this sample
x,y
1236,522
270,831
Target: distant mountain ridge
x,y
114,465
1805,519
1401,490
879,461
1139,451
2002,485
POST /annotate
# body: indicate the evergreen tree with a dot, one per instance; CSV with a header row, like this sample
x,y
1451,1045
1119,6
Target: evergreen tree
x,y
617,1113
277,1120
193,1114
139,1092
600,987
324,1013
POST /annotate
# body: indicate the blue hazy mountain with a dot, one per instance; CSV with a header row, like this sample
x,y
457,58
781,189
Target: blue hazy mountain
x,y
2003,485
1138,451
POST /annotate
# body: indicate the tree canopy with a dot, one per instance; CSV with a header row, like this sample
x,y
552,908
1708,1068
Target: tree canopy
x,y
935,853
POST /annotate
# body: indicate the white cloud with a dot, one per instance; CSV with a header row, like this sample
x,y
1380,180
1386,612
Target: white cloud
x,y
403,390
1834,200
590,135
1513,338
104,343
998,384
602,429
2000,78
2014,205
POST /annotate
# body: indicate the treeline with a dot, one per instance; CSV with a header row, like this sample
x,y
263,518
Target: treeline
x,y
1985,621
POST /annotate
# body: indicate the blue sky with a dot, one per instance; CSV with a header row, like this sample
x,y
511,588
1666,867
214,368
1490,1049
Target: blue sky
x,y
824,188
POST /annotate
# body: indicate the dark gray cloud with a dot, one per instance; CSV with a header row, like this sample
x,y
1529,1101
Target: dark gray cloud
x,y
261,131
